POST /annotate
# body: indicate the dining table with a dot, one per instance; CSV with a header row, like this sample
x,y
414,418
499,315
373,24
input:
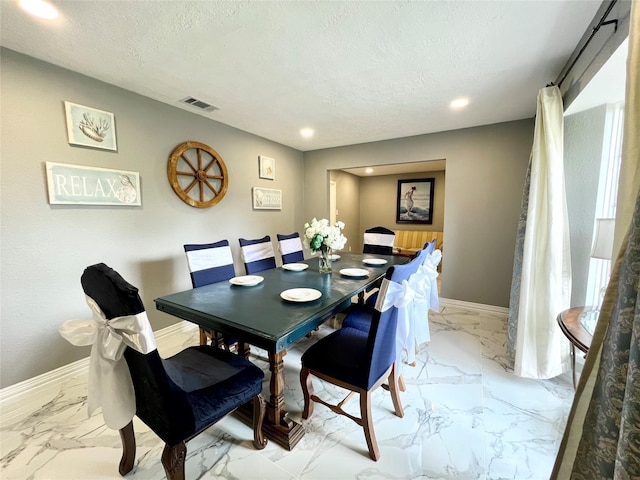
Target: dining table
x,y
275,311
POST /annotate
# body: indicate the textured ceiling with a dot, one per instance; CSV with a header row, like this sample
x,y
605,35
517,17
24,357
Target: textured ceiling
x,y
353,71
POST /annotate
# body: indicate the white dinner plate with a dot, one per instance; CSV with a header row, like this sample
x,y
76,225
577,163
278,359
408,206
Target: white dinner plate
x,y
354,272
334,257
246,280
295,267
301,295
374,261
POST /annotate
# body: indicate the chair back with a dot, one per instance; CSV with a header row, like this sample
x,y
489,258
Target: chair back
x,y
290,247
158,402
379,240
430,246
258,254
209,262
381,344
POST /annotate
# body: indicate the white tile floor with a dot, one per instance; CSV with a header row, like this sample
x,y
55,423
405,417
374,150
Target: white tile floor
x,y
466,417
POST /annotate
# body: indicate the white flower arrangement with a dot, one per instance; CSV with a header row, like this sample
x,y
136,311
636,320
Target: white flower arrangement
x,y
319,235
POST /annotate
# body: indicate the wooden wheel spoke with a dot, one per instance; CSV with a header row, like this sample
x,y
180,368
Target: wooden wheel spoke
x,y
191,185
188,174
199,159
188,162
215,192
210,165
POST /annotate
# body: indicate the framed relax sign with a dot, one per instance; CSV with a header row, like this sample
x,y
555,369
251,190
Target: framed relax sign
x,y
80,185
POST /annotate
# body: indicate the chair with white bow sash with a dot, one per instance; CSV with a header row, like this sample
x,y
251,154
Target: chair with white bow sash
x,y
258,254
361,361
178,397
413,320
210,263
290,247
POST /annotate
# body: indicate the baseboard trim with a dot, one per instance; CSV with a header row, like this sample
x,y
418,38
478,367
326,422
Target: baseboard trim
x,y
480,307
23,397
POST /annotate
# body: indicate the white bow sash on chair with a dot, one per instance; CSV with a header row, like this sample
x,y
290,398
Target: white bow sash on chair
x,y
401,296
413,298
110,385
429,299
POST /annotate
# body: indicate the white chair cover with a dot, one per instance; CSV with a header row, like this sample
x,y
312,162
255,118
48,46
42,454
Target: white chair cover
x,y
383,239
206,258
110,385
257,251
290,245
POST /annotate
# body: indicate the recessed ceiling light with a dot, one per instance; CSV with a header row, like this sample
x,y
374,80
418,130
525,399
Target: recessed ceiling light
x,y
460,103
40,8
307,132
369,170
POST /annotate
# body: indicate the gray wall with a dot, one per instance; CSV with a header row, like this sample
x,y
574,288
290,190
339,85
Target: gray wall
x,y
348,206
485,174
378,200
583,144
45,248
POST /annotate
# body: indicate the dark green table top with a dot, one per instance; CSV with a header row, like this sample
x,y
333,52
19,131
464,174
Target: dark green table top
x,y
259,316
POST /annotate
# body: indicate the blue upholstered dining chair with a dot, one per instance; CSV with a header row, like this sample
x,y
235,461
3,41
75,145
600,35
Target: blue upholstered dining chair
x,y
358,361
290,247
362,322
378,240
210,263
181,396
258,254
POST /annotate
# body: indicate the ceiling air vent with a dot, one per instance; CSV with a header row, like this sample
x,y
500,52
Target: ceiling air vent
x,y
194,102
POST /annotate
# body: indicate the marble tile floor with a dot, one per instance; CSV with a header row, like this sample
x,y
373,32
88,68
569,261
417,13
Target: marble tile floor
x,y
466,417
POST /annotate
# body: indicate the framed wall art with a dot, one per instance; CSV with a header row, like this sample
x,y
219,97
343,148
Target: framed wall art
x,y
267,167
415,201
90,127
80,185
267,199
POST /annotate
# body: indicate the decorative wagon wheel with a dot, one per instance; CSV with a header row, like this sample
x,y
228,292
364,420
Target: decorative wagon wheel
x,y
197,174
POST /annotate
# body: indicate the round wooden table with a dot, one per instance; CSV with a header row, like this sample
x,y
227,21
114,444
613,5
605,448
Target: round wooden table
x,y
577,324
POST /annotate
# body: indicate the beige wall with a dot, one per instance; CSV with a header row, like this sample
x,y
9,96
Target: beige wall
x,y
378,200
45,248
485,173
348,206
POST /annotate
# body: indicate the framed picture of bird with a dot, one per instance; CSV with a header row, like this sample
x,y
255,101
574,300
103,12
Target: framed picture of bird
x,y
90,127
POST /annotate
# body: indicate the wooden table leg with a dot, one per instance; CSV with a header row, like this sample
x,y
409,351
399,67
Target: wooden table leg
x,y
277,425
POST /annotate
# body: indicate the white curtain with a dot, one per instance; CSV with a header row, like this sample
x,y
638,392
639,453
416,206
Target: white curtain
x,y
602,437
542,351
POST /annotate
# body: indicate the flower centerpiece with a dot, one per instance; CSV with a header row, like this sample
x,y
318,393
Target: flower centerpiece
x,y
321,237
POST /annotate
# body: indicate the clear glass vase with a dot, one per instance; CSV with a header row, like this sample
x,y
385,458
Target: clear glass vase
x,y
324,259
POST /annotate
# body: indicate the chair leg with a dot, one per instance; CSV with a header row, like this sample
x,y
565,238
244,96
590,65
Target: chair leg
x,y
259,409
367,424
307,391
204,338
128,449
173,461
395,395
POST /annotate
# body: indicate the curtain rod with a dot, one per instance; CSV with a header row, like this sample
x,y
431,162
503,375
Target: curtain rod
x,y
594,30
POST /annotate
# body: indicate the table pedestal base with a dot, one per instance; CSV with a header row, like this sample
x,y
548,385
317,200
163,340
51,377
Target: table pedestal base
x,y
287,434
